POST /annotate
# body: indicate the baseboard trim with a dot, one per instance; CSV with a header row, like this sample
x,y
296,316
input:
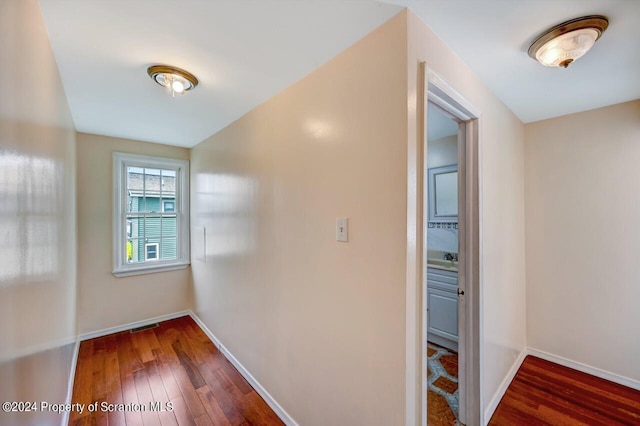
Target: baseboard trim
x,y
271,402
129,326
72,377
504,385
612,377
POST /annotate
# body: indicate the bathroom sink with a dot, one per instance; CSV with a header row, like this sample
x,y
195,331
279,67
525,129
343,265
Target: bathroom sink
x,y
449,265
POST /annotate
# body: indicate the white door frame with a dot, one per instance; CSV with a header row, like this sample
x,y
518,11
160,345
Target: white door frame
x,y
432,87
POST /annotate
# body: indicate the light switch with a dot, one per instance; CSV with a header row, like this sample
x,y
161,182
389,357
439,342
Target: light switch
x,y
342,229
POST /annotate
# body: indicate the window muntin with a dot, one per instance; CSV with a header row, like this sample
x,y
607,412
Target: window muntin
x,y
151,214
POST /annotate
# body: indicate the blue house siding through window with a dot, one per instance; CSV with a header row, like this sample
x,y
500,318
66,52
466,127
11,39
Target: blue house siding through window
x,y
152,236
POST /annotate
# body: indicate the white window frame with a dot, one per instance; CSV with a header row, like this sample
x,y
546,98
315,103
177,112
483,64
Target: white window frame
x,y
120,163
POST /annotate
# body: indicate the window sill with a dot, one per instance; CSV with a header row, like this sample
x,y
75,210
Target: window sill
x,y
149,269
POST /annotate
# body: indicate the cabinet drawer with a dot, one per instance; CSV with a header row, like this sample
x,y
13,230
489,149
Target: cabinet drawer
x,y
442,280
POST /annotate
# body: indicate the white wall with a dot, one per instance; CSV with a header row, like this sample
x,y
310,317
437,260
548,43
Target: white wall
x,y
502,274
319,323
37,218
583,237
443,152
104,300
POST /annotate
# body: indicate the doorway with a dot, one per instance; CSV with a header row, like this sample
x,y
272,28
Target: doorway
x,y
444,320
450,280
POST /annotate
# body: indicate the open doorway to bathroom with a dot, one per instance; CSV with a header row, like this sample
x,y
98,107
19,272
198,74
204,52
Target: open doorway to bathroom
x,y
450,257
441,199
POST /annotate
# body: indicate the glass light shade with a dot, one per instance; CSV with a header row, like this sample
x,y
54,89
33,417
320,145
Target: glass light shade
x,y
566,48
177,86
561,45
176,80
173,81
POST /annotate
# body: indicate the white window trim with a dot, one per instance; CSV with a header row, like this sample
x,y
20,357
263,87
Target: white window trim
x,y
120,266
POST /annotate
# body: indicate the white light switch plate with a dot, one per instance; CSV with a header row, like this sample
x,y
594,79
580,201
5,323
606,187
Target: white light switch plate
x,y
342,229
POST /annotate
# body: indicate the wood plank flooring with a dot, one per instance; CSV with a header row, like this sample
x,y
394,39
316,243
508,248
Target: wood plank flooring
x,y
175,365
544,393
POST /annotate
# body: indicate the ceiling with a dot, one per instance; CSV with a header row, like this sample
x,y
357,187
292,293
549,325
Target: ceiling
x,y
492,37
242,52
245,51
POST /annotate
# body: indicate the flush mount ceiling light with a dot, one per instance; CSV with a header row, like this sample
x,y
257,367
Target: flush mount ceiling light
x,y
561,45
176,80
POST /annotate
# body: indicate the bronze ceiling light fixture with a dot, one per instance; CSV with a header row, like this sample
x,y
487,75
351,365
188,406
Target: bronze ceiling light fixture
x,y
561,45
175,79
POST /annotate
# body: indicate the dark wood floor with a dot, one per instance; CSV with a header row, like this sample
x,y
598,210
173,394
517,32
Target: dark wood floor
x,y
544,393
174,363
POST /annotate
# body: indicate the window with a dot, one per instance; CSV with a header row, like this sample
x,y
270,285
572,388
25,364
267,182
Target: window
x,y
151,251
151,214
168,206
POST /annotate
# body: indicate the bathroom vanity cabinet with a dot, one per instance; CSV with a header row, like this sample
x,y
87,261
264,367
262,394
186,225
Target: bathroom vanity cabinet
x,y
442,307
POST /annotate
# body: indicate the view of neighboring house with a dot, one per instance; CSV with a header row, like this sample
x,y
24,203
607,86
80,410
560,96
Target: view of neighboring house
x,y
151,218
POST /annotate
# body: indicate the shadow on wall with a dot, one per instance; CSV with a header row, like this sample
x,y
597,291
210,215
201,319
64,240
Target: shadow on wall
x,y
224,222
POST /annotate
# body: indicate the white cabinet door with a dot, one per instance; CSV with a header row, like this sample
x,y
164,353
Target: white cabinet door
x,y
442,308
443,314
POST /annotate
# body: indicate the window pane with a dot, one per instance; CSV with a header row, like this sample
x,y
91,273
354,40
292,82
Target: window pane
x,y
152,226
135,227
168,250
169,226
152,189
134,253
134,189
152,203
168,184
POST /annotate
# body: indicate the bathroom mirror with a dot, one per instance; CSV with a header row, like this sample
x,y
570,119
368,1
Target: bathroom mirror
x,y
443,194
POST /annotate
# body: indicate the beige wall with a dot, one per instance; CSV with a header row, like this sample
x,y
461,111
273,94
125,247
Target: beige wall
x,y
320,324
37,218
103,300
502,274
583,237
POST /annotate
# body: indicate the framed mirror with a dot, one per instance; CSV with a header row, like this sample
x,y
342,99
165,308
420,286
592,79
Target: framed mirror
x,y
443,194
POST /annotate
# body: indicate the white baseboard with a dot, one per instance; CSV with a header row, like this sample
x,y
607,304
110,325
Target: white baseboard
x,y
72,376
504,385
612,377
271,402
125,327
